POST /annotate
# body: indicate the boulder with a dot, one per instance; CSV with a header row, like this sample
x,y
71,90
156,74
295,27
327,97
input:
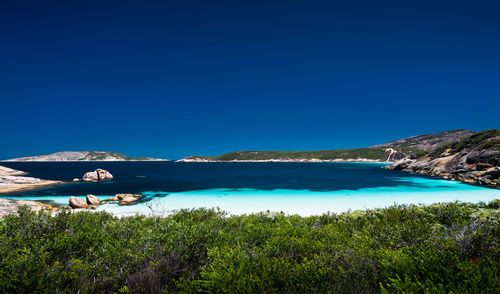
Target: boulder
x,y
123,195
92,200
113,199
98,175
128,198
76,202
76,180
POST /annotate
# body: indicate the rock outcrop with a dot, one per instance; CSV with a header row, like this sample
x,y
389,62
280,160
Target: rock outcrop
x,y
12,180
5,171
76,202
128,198
92,200
98,175
11,206
475,160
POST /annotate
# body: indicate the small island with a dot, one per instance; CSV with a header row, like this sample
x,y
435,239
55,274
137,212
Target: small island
x,y
83,156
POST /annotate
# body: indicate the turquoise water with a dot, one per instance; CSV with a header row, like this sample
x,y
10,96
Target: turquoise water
x,y
242,188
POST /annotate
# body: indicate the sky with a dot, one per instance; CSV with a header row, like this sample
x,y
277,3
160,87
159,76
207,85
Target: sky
x,y
171,79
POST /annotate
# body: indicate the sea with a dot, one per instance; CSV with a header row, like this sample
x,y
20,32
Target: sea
x,y
243,188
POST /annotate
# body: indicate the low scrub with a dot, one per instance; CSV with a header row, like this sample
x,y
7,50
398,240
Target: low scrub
x,y
442,248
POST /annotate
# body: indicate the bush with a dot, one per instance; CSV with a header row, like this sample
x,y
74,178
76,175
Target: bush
x,y
449,247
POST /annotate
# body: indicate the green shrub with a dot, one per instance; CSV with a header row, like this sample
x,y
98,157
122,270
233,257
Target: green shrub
x,y
449,247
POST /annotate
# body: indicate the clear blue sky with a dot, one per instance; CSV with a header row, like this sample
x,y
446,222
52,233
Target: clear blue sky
x,y
176,78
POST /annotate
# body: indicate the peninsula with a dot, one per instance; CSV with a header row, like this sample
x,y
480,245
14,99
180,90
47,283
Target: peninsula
x,y
393,151
14,180
463,155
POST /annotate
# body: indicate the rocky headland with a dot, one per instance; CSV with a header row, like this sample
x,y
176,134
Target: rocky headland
x,y
84,156
12,180
474,159
463,155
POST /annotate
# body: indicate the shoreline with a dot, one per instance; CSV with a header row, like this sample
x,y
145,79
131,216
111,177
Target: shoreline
x,y
9,188
12,180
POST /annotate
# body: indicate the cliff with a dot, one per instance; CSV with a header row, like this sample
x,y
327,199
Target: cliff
x,y
474,159
84,156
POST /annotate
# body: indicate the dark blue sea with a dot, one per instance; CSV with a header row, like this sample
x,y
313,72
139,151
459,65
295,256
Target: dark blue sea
x,y
296,188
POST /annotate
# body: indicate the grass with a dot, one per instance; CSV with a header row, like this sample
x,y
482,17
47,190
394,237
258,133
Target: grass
x,y
442,248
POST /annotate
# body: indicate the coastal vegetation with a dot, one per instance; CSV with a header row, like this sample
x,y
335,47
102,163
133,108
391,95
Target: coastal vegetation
x,y
429,142
441,248
487,139
378,153
410,147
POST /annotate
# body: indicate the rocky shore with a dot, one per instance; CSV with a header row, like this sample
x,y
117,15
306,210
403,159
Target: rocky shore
x,y
12,180
474,160
10,206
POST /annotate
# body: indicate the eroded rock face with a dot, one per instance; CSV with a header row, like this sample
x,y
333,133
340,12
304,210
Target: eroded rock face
x,y
76,202
98,175
92,200
393,155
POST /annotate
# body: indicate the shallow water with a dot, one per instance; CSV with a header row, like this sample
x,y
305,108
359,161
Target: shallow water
x,y
295,188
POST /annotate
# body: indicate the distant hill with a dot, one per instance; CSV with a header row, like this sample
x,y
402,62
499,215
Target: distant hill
x,y
388,152
84,156
474,159
361,154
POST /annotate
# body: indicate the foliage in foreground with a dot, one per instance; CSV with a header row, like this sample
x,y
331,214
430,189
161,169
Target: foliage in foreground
x,y
451,247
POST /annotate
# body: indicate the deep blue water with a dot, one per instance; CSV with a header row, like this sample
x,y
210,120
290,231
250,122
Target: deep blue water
x,y
296,188
135,177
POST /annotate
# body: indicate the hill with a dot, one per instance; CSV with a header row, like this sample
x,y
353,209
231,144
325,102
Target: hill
x,y
360,154
474,159
429,142
83,156
410,147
